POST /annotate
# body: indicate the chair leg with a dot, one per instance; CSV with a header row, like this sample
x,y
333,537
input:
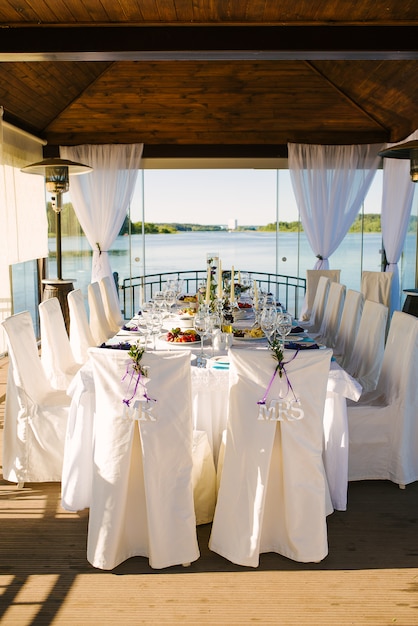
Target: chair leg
x,y
20,485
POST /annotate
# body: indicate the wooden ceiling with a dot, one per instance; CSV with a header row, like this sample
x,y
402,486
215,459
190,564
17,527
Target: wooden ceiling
x,y
210,77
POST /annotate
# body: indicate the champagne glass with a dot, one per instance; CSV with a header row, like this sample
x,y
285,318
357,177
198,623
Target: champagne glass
x,y
157,324
201,323
284,326
268,321
214,327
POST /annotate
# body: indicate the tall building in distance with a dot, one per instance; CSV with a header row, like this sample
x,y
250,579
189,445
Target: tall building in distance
x,y
232,224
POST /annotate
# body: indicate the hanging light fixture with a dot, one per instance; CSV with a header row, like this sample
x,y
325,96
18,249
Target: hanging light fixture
x,y
407,150
56,173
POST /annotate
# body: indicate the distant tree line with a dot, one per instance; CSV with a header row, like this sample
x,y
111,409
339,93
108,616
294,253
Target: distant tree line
x,y
368,223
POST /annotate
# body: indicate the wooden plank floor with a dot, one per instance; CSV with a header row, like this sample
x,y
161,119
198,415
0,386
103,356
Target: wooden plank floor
x,y
370,576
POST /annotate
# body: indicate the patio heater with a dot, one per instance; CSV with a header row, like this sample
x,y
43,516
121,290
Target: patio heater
x,y
408,150
56,173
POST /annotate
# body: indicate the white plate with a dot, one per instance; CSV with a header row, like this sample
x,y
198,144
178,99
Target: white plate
x,y
186,345
130,332
243,314
219,362
250,339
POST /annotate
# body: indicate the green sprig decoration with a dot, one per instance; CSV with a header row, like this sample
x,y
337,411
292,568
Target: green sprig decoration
x,y
136,353
277,350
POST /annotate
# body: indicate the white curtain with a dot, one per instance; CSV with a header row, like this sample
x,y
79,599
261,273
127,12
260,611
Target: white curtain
x,y
397,197
23,220
101,198
24,225
330,183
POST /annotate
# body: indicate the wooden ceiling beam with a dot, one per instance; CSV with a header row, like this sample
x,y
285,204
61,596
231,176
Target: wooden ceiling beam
x,y
108,43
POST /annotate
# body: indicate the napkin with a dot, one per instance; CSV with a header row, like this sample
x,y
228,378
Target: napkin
x,y
297,329
117,346
293,345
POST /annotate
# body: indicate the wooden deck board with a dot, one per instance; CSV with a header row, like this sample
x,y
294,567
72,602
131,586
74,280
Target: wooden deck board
x,y
370,576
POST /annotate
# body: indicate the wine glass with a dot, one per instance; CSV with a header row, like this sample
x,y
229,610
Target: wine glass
x,y
159,299
154,323
170,298
268,321
201,324
284,326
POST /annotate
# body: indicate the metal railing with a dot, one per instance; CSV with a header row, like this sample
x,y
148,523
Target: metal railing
x,y
288,290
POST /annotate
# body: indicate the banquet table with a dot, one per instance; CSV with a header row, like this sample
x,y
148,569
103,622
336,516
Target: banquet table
x,y
210,389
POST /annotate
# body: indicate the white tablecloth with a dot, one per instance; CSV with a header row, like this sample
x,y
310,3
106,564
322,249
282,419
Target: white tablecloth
x,y
210,402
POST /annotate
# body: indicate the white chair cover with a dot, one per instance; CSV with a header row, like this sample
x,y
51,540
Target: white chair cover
x,y
77,472
383,426
312,278
99,325
81,338
314,323
366,359
35,414
111,303
142,495
347,332
56,355
332,315
376,286
273,494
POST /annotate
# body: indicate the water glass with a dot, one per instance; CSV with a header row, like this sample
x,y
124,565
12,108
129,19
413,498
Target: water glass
x,y
284,326
268,321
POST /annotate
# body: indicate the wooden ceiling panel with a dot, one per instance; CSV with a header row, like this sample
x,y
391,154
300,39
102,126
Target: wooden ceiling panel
x,y
387,91
207,11
210,73
37,92
176,102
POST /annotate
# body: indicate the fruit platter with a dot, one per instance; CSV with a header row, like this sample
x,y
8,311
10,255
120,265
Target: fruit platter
x,y
176,335
248,334
187,301
187,311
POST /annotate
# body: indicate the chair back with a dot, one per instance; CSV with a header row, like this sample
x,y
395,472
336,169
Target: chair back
x,y
56,354
383,426
398,359
273,490
312,278
111,303
318,307
332,314
142,503
376,286
99,325
28,372
81,338
367,356
36,415
347,332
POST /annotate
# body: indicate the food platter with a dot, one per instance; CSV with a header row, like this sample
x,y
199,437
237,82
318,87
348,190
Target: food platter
x,y
250,339
182,345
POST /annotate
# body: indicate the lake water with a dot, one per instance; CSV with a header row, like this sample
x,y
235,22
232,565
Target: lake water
x,y
247,251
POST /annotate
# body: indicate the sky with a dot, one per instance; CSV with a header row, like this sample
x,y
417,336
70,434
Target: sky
x,y
217,196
